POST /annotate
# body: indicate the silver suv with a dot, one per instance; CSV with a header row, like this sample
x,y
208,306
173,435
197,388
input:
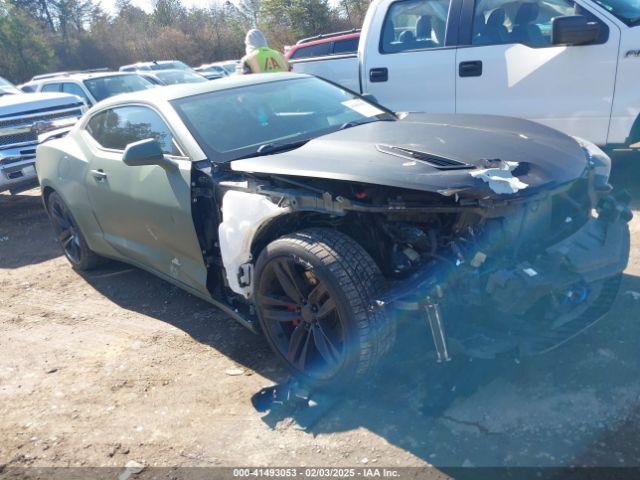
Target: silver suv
x,y
23,117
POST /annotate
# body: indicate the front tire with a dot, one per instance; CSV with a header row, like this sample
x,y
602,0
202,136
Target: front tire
x,y
69,235
314,296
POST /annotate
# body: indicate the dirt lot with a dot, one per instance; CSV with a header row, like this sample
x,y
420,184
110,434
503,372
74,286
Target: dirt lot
x,y
116,365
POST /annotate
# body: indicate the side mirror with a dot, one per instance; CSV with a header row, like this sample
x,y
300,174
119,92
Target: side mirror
x,y
144,152
574,30
370,98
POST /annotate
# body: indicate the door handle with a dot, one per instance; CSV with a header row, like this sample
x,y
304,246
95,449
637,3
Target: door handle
x,y
472,68
378,75
99,175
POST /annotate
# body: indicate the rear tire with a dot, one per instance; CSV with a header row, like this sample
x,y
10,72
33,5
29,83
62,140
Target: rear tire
x,y
70,236
314,295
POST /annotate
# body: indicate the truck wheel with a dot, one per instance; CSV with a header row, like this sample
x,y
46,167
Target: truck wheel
x,y
69,235
314,297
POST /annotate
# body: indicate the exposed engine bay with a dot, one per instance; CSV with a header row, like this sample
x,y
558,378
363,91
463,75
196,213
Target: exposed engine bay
x,y
487,273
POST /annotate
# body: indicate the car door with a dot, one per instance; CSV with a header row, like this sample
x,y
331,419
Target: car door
x,y
409,55
509,66
144,212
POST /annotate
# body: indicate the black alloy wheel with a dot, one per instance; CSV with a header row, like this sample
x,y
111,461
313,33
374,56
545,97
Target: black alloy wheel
x,y
69,236
314,294
302,316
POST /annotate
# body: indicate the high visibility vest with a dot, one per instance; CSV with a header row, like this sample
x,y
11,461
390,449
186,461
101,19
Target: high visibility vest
x,y
265,60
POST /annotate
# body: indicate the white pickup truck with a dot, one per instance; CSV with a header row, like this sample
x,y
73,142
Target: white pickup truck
x,y
24,118
572,65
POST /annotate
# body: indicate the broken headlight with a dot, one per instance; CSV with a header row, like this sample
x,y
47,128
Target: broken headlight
x,y
598,161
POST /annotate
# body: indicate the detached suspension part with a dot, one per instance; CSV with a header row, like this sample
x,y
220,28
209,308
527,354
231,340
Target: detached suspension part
x,y
434,318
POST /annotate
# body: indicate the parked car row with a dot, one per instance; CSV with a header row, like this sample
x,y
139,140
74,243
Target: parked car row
x,y
54,102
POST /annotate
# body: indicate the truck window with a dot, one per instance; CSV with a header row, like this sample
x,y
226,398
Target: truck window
x,y
317,50
527,22
74,89
626,10
51,87
349,45
414,25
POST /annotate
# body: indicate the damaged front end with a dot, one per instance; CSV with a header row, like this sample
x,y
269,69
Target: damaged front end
x,y
524,280
496,255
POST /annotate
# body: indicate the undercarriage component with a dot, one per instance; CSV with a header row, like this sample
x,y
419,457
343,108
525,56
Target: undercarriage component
x,y
434,319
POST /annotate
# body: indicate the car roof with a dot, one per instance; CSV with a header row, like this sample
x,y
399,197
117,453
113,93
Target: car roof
x,y
83,76
172,92
159,72
327,39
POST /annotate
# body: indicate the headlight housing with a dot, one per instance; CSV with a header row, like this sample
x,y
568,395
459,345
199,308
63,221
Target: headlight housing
x,y
598,161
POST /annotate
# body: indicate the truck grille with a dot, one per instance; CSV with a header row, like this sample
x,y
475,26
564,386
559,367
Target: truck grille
x,y
18,130
17,138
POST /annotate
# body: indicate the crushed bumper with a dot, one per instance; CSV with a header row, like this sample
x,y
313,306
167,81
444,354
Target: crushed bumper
x,y
531,305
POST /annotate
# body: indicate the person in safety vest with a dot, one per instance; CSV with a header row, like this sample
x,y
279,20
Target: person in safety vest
x,y
260,58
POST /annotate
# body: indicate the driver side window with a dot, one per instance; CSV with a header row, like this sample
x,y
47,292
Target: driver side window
x,y
414,25
528,22
118,127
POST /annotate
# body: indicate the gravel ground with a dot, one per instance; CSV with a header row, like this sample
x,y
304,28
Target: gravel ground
x,y
115,365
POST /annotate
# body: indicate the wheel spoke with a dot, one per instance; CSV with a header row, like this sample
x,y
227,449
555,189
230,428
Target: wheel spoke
x,y
65,237
324,346
297,342
73,249
60,219
288,280
317,293
280,315
274,301
328,307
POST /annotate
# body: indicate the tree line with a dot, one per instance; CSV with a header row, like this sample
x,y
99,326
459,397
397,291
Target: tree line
x,y
39,36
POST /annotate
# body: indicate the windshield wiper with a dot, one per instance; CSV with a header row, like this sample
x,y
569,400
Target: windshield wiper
x,y
270,148
355,123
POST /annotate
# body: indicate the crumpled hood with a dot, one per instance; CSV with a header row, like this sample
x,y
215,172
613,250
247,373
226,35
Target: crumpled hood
x,y
544,157
23,103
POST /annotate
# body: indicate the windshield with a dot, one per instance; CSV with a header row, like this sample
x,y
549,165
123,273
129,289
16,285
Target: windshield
x,y
626,10
6,87
234,123
170,66
179,76
230,67
215,69
105,87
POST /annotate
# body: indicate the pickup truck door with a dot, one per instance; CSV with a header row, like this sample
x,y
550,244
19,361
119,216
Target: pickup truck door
x,y
144,212
409,54
509,66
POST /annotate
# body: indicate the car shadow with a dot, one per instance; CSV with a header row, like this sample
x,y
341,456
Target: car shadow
x,y
567,407
26,236
139,291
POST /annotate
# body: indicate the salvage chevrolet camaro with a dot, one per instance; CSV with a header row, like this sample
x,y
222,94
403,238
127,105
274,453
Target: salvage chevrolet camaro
x,y
325,221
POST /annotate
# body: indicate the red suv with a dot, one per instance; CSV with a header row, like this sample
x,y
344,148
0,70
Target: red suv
x,y
340,43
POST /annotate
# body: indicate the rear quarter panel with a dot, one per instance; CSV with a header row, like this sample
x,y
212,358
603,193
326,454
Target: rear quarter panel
x,y
63,166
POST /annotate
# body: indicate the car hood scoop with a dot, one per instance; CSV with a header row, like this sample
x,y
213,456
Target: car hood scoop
x,y
441,163
433,152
